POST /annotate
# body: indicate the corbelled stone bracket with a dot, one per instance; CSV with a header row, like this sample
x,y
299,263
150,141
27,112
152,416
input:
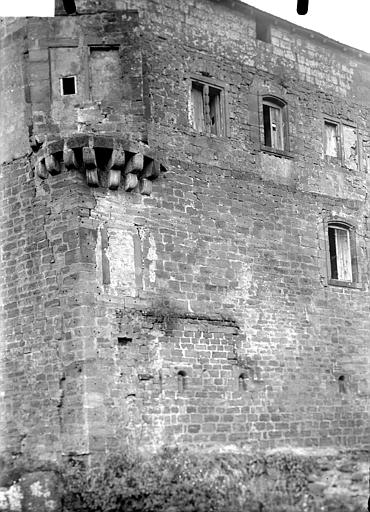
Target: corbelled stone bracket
x,y
104,160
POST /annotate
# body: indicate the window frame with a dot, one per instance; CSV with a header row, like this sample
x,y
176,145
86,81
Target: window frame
x,y
340,158
205,84
351,230
272,101
62,85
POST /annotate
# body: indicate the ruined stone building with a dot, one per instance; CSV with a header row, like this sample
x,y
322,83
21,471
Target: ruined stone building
x,y
184,230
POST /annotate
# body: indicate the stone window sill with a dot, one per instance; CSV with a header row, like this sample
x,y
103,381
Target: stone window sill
x,y
277,152
344,284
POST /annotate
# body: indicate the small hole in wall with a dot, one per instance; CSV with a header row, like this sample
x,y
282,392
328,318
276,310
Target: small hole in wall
x,y
341,384
182,383
69,6
123,340
68,85
243,382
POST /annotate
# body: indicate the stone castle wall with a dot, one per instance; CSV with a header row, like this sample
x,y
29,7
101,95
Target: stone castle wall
x,y
166,286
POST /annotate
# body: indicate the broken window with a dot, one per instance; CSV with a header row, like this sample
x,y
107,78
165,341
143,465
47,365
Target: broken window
x,y
331,139
68,85
341,143
274,124
206,108
340,252
263,32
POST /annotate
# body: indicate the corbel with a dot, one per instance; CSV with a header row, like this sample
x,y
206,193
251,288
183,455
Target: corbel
x,y
151,170
135,164
69,158
115,166
41,169
89,160
131,181
52,165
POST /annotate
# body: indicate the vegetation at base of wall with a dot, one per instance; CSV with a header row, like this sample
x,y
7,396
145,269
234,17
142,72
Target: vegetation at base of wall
x,y
175,480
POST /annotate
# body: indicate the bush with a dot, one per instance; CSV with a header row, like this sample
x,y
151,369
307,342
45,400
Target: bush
x,y
176,480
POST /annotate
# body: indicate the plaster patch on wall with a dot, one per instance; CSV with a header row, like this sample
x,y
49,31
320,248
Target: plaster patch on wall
x,y
120,254
11,499
148,252
350,149
152,257
36,490
279,169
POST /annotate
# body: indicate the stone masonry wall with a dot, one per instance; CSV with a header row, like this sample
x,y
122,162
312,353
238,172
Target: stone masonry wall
x,y
222,273
201,313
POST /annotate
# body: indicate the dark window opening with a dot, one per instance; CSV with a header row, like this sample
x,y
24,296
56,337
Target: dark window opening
x,y
182,381
341,384
340,252
274,124
263,31
124,340
215,110
206,109
68,85
243,382
69,6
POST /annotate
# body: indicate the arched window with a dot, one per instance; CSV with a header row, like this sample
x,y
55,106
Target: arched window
x,y
341,384
182,383
243,377
341,252
275,125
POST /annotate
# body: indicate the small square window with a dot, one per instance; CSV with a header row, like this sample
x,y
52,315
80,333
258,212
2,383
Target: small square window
x,y
274,124
68,85
263,32
207,109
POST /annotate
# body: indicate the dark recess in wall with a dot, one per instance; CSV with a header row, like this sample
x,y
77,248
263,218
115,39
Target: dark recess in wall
x,y
69,6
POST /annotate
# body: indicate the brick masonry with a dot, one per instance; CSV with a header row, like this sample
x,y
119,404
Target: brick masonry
x,y
198,311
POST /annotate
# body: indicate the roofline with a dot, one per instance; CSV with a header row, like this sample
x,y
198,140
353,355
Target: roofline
x,y
310,34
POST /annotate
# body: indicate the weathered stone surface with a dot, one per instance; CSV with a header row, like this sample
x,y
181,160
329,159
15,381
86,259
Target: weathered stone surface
x,y
220,275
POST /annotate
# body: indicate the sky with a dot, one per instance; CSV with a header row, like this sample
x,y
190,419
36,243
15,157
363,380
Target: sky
x,y
343,20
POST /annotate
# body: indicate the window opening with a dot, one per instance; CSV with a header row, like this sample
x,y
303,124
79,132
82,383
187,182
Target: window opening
x,y
69,6
273,127
331,139
215,110
243,382
198,114
124,340
206,108
341,381
181,381
68,85
263,31
340,252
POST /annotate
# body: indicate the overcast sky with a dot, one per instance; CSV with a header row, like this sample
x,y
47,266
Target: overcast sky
x,y
346,21
343,20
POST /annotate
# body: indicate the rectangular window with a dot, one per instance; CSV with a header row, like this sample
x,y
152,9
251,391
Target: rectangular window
x,y
68,85
197,111
273,127
206,109
331,139
263,32
340,253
